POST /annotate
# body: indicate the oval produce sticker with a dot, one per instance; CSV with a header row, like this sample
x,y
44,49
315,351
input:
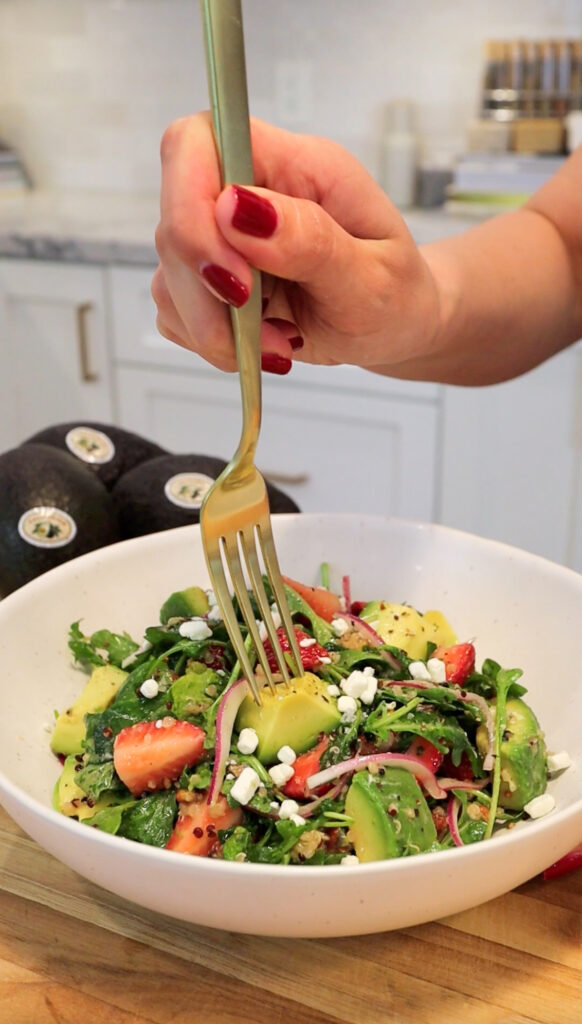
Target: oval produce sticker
x,y
47,527
187,490
90,445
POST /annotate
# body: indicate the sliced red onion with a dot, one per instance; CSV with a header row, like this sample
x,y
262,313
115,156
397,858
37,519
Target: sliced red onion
x,y
346,591
225,718
354,764
464,783
453,806
307,810
370,635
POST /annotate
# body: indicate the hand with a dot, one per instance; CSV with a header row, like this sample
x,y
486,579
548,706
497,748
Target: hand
x,y
343,281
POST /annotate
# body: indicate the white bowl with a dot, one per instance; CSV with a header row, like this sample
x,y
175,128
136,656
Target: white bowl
x,y
522,611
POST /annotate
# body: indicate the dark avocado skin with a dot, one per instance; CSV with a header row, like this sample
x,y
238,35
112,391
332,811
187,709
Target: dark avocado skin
x,y
37,474
143,507
130,449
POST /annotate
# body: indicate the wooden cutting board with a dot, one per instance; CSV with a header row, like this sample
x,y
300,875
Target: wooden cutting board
x,y
72,953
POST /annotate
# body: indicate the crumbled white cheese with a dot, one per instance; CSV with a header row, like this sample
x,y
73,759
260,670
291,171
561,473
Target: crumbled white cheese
x,y
276,616
348,708
325,661
214,615
418,670
558,762
340,626
540,805
195,629
437,670
333,690
281,773
134,654
362,684
309,641
350,858
287,755
211,598
297,819
263,635
287,808
245,786
149,688
248,741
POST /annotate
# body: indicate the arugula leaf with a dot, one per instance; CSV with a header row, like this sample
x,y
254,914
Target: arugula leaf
x,y
101,648
151,819
505,680
321,629
82,648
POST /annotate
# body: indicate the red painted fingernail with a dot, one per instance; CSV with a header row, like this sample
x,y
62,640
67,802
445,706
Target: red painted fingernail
x,y
273,363
296,343
253,215
224,284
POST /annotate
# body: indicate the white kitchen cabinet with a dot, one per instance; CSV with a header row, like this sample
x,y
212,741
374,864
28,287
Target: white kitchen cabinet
x,y
335,439
55,360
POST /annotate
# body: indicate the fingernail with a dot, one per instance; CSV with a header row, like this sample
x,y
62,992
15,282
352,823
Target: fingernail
x,y
253,215
224,284
296,343
273,363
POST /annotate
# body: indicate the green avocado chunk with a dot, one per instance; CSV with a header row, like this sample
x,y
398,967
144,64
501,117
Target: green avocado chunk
x,y
183,604
523,756
293,716
98,693
390,815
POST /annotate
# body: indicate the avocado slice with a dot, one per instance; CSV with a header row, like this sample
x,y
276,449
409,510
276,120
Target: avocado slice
x,y
402,626
183,604
70,799
523,756
293,716
390,815
97,694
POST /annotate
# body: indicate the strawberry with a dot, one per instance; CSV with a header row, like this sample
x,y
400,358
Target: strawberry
x,y
311,656
462,771
459,661
150,755
197,825
426,752
304,766
324,602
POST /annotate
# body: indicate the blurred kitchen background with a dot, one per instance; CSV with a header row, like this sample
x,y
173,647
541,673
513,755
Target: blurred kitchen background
x,y
458,107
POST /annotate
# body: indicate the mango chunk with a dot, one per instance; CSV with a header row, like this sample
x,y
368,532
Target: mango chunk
x,y
402,626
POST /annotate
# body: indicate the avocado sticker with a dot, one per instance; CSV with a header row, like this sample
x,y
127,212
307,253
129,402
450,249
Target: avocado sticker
x,y
187,490
90,445
47,527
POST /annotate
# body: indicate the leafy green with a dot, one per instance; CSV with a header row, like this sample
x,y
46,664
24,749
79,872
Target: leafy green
x,y
97,778
151,819
101,648
505,680
321,629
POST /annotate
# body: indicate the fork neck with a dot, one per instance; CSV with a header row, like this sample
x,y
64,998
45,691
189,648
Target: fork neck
x,y
246,324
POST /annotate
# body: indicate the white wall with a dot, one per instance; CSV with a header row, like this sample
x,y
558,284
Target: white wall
x,y
87,86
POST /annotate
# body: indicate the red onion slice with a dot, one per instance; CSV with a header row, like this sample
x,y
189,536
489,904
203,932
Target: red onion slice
x,y
346,591
370,635
354,764
453,807
225,718
464,783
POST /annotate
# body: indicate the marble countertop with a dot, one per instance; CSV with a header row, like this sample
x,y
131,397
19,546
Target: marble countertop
x,y
100,227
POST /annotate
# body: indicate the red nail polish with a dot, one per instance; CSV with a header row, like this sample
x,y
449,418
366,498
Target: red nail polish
x,y
224,284
273,363
253,215
296,343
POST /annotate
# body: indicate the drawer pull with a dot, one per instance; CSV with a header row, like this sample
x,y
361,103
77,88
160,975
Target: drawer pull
x,y
290,479
88,376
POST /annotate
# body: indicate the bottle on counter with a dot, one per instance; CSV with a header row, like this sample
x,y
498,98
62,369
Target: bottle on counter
x,y
399,154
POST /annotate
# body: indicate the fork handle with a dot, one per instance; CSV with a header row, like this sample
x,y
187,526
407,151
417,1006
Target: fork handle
x,y
227,84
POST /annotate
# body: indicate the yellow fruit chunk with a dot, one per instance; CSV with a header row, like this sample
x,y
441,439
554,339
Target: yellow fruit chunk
x,y
402,626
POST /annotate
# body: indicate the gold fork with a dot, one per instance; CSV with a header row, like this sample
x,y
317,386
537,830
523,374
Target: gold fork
x,y
234,519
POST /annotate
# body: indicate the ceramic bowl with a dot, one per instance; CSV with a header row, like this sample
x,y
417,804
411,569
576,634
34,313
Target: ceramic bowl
x,y
520,609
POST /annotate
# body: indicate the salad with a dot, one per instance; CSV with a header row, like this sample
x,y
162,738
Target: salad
x,y
392,742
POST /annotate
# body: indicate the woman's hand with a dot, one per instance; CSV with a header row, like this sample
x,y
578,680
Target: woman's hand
x,y
343,281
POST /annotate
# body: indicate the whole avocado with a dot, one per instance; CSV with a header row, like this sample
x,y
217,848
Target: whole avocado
x,y
104,449
168,491
51,510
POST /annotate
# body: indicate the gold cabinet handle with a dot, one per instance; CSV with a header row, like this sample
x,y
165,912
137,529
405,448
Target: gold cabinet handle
x,y
287,478
88,376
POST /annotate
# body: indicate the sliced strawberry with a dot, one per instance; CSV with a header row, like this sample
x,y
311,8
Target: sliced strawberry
x,y
459,661
426,752
150,755
462,771
311,655
304,766
324,603
197,825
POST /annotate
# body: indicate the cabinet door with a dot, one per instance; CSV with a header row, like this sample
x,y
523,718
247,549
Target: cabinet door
x,y
54,358
512,460
330,450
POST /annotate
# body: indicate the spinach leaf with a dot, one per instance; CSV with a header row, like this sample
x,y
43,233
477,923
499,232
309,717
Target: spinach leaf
x,y
151,819
97,778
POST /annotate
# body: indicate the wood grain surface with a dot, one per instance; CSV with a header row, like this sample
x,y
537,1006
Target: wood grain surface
x,y
72,953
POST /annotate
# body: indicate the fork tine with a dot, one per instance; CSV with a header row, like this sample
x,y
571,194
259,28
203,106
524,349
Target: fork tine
x,y
277,586
232,557
249,549
224,600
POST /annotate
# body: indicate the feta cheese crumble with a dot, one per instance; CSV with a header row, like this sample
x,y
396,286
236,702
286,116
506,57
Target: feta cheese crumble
x,y
287,755
245,786
558,762
149,688
214,615
333,690
362,684
418,670
540,805
340,626
287,808
281,773
348,708
437,670
195,629
248,741
349,859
